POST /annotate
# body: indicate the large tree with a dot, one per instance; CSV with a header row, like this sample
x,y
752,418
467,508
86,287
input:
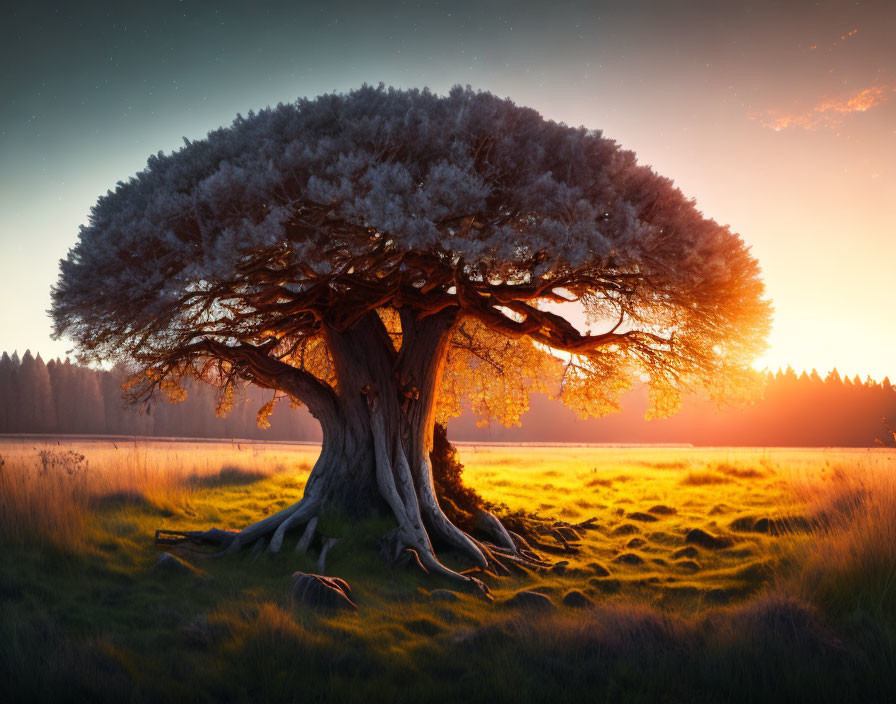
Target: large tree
x,y
380,255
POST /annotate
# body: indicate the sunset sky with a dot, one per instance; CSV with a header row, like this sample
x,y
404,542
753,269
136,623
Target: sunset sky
x,y
779,118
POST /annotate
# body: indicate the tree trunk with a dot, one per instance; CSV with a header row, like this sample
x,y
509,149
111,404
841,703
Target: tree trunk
x,y
388,398
377,439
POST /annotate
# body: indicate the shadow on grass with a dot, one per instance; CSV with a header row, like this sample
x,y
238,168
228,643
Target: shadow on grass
x,y
125,498
227,476
703,479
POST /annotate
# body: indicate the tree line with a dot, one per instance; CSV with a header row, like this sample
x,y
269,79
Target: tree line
x,y
802,410
66,398
795,410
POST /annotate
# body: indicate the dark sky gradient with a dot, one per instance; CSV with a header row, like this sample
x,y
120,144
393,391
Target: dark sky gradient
x,y
696,89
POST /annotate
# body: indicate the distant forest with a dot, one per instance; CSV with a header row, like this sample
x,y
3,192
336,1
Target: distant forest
x,y
795,411
805,410
61,397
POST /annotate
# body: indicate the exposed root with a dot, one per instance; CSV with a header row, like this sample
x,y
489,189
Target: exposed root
x,y
439,524
270,524
520,542
322,560
497,547
215,536
555,549
407,544
322,592
231,541
410,557
396,485
515,566
303,514
559,537
530,531
257,549
305,541
468,514
522,556
590,524
487,523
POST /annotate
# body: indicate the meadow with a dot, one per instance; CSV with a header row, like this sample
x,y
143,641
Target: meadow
x,y
725,574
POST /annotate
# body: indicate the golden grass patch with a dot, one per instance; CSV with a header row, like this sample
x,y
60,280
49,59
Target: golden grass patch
x,y
762,507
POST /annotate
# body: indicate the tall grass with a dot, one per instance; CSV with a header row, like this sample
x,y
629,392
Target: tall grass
x,y
849,556
47,491
39,504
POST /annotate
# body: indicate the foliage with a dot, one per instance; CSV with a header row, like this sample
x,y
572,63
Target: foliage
x,y
457,500
232,257
494,374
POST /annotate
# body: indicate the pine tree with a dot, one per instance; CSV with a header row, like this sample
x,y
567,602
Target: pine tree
x,y
90,417
8,394
43,396
27,401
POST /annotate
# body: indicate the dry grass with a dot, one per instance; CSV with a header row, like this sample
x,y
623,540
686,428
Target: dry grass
x,y
703,479
53,493
47,494
850,553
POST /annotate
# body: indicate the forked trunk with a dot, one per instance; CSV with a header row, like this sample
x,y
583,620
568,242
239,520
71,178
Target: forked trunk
x,y
386,402
377,439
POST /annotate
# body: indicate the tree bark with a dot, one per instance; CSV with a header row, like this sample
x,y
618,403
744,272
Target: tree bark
x,y
377,437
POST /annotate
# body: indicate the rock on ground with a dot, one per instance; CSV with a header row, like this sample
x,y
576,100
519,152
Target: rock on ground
x,y
530,601
443,595
689,552
629,558
576,600
598,569
689,565
696,536
322,593
626,529
169,564
643,517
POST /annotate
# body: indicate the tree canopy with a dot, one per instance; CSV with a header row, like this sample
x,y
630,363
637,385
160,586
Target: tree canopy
x,y
383,254
235,254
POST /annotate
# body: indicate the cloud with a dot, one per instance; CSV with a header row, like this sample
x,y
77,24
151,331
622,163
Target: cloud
x,y
829,113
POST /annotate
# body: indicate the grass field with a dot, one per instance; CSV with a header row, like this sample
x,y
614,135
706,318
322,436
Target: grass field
x,y
716,575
